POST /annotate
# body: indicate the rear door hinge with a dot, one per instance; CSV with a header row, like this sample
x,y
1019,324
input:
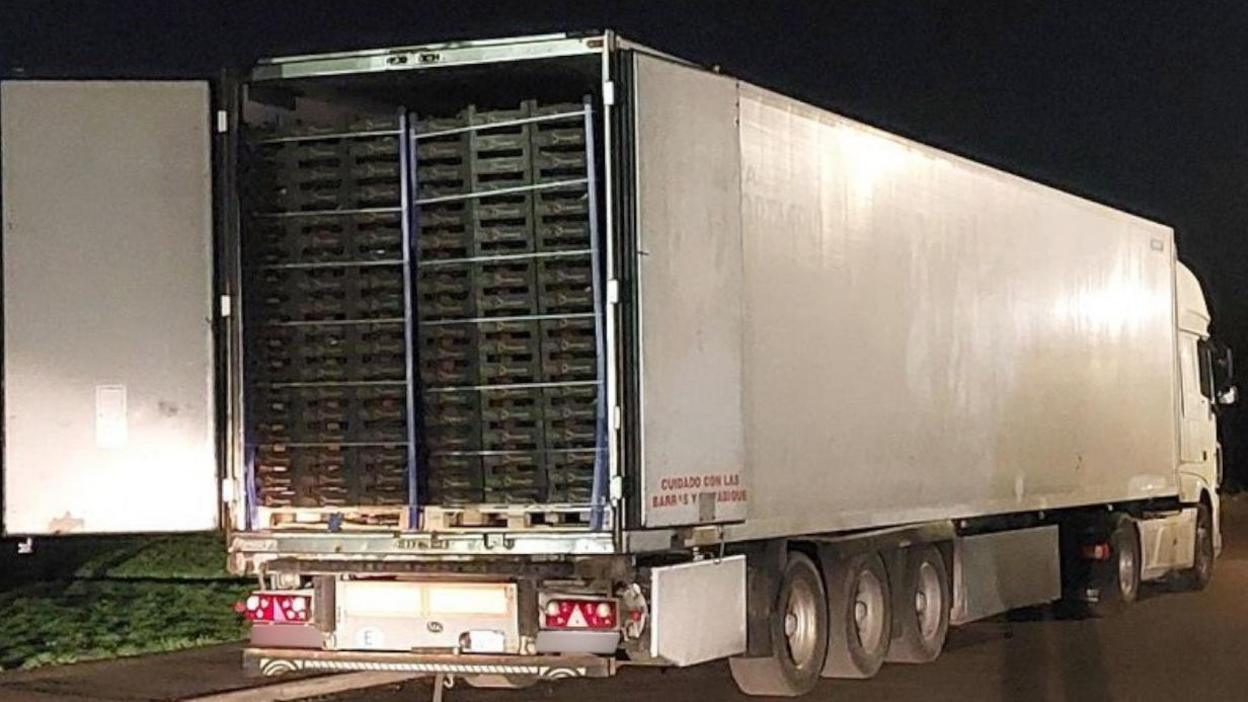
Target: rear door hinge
x,y
227,490
223,121
608,92
616,490
226,306
613,291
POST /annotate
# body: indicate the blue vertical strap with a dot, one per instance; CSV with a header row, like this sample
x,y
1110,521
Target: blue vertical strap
x,y
252,507
598,499
410,225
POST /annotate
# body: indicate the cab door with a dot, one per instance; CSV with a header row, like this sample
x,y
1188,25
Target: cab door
x,y
106,203
1198,440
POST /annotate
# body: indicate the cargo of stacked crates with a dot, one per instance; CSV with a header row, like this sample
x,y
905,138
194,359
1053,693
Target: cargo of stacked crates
x,y
421,327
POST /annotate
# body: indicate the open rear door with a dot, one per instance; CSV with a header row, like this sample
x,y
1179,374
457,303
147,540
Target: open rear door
x,y
106,197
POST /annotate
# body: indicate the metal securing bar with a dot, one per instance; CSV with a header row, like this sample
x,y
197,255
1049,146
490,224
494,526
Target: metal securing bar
x,y
498,125
323,444
329,136
331,213
334,322
597,492
513,318
556,185
337,383
511,386
505,257
518,452
334,264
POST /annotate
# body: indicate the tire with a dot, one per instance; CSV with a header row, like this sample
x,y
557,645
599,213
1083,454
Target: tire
x,y
1118,579
921,608
1198,576
860,609
799,636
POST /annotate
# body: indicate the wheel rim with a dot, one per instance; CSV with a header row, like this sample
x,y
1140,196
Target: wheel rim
x,y
869,610
928,601
801,626
1126,571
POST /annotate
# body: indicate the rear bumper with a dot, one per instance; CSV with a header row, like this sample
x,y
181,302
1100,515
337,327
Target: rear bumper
x,y
278,661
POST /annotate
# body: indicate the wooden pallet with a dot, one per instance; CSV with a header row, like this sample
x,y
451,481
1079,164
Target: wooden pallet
x,y
361,518
485,516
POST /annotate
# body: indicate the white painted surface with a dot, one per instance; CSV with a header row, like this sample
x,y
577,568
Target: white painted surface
x,y
697,610
689,228
107,231
926,337
993,573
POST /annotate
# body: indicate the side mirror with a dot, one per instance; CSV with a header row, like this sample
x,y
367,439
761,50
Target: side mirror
x,y
1228,396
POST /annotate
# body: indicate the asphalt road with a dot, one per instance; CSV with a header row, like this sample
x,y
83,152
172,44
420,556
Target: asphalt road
x,y
1169,646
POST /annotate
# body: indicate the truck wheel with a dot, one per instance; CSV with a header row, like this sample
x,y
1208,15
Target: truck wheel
x,y
860,607
1198,576
799,636
1118,579
921,611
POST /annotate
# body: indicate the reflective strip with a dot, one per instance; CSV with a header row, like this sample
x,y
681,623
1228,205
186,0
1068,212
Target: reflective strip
x,y
272,666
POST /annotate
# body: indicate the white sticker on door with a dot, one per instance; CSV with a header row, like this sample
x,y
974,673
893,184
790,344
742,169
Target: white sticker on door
x,y
111,427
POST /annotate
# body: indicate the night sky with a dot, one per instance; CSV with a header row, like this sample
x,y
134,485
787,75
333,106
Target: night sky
x,y
1141,105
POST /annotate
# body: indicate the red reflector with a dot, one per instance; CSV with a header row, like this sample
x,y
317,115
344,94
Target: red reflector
x,y
278,607
579,613
1095,552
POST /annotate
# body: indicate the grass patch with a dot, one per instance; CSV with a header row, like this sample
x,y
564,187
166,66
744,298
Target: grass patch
x,y
120,596
50,623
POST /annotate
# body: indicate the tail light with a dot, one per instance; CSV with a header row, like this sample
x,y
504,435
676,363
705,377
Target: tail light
x,y
1095,552
580,613
278,607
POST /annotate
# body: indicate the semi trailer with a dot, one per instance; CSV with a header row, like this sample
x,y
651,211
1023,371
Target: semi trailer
x,y
540,357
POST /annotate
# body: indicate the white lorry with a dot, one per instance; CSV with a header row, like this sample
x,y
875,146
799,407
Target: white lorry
x,y
535,358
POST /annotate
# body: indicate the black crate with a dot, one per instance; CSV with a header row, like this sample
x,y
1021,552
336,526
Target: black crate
x,y
373,149
577,402
566,285
568,433
569,350
561,205
505,288
509,352
327,294
503,238
454,479
563,235
519,405
343,414
331,476
301,240
510,434
445,292
570,477
326,352
374,123
448,355
514,478
441,149
563,135
553,166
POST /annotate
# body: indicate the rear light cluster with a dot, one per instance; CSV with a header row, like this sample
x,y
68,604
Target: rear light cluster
x,y
580,613
1095,552
278,607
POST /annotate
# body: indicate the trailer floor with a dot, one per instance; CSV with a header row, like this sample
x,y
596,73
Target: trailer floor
x,y
1169,646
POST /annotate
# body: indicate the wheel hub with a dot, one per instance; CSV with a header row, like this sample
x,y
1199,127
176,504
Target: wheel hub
x,y
801,624
927,601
